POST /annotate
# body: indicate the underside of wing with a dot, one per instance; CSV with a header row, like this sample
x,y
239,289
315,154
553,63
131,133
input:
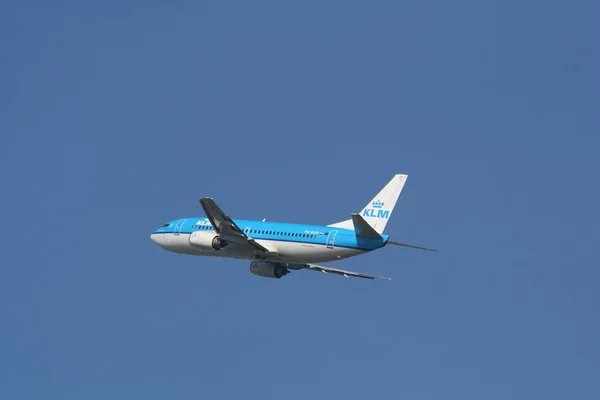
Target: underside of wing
x,y
222,223
226,228
330,270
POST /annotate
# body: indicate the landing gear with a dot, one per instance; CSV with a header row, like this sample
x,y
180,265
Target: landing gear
x,y
280,271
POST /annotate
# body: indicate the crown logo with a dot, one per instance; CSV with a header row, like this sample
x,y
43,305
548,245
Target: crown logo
x,y
378,204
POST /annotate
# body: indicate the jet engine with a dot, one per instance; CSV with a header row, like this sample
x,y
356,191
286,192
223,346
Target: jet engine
x,y
268,270
206,241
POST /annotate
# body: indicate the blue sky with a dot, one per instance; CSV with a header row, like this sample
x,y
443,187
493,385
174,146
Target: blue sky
x,y
116,117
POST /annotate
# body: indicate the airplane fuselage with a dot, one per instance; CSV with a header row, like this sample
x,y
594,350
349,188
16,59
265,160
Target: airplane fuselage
x,y
291,243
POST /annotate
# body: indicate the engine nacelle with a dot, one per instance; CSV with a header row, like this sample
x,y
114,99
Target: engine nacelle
x,y
268,270
206,241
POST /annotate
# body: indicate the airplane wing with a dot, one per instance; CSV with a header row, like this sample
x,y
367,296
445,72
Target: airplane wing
x,y
225,227
342,272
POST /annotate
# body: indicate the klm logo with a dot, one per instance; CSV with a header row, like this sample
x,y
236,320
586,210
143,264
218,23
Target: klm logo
x,y
376,210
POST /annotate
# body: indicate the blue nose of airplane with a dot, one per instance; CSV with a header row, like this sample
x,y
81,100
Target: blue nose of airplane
x,y
159,237
154,238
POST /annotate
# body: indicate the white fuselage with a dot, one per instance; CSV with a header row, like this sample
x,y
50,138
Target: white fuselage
x,y
280,251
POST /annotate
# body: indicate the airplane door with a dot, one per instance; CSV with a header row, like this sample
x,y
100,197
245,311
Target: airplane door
x,y
178,226
331,238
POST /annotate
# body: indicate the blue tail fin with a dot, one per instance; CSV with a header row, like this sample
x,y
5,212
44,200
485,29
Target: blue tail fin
x,y
378,211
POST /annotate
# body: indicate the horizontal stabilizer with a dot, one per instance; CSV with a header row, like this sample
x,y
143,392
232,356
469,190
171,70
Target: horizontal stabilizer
x,y
409,245
363,229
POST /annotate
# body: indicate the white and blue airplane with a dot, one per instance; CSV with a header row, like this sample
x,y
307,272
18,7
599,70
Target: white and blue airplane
x,y
275,248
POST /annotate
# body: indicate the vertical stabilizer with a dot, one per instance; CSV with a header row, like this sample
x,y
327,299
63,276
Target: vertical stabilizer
x,y
379,210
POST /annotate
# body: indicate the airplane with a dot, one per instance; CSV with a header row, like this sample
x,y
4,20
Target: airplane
x,y
277,248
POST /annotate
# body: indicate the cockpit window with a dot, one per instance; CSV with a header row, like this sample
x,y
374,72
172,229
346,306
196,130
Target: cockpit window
x,y
165,225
